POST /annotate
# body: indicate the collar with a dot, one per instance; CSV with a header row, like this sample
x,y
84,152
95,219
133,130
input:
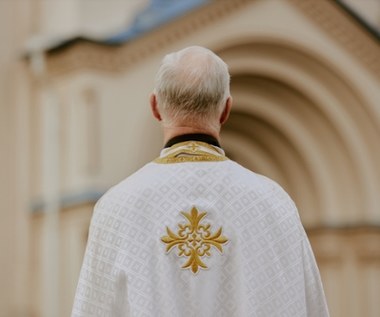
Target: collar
x,y
206,138
191,151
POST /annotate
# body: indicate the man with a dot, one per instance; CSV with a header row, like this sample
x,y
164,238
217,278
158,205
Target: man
x,y
194,233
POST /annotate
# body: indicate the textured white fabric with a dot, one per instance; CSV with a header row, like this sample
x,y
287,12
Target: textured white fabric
x,y
267,267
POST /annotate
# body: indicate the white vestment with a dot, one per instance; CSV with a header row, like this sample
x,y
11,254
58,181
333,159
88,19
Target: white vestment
x,y
195,234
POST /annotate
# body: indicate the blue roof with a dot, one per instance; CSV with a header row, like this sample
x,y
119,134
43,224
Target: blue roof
x,y
157,13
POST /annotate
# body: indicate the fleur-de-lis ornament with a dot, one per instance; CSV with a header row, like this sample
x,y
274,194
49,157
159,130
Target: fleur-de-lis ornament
x,y
194,240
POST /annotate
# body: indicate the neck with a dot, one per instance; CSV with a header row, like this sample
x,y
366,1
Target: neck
x,y
171,132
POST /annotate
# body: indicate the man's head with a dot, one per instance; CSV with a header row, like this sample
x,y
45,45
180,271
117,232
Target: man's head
x,y
192,89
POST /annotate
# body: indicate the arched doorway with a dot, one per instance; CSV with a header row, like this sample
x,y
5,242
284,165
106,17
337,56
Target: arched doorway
x,y
301,121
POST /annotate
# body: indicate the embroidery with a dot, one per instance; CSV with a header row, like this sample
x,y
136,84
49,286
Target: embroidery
x,y
195,145
191,151
181,159
194,240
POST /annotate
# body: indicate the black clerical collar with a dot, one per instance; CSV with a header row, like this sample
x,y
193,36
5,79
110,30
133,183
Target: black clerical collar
x,y
193,137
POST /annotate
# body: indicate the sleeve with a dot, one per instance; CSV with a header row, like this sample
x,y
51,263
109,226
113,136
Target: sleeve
x,y
102,285
315,300
316,305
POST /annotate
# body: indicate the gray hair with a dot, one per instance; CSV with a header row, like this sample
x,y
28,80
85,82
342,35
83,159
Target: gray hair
x,y
193,82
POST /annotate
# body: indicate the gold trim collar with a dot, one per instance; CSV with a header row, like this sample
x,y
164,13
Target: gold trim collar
x,y
191,151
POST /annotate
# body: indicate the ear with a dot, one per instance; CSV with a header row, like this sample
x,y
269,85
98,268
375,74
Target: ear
x,y
154,107
226,111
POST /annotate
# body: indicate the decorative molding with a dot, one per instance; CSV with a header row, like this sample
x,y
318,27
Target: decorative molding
x,y
97,57
69,200
343,28
342,243
356,228
85,54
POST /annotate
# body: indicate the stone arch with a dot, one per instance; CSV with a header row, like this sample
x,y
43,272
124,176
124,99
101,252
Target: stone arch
x,y
301,121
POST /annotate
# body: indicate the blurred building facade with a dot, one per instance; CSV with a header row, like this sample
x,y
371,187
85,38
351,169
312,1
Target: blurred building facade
x,y
75,120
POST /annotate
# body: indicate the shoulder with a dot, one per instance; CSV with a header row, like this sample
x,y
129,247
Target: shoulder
x,y
125,192
253,179
261,188
131,183
270,203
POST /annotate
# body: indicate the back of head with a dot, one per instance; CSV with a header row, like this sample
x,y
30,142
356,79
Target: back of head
x,y
192,84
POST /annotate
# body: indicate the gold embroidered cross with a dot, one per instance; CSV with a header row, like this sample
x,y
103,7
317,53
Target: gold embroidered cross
x,y
194,240
193,147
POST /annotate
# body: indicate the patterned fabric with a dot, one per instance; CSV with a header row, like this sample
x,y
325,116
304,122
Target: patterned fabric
x,y
264,266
